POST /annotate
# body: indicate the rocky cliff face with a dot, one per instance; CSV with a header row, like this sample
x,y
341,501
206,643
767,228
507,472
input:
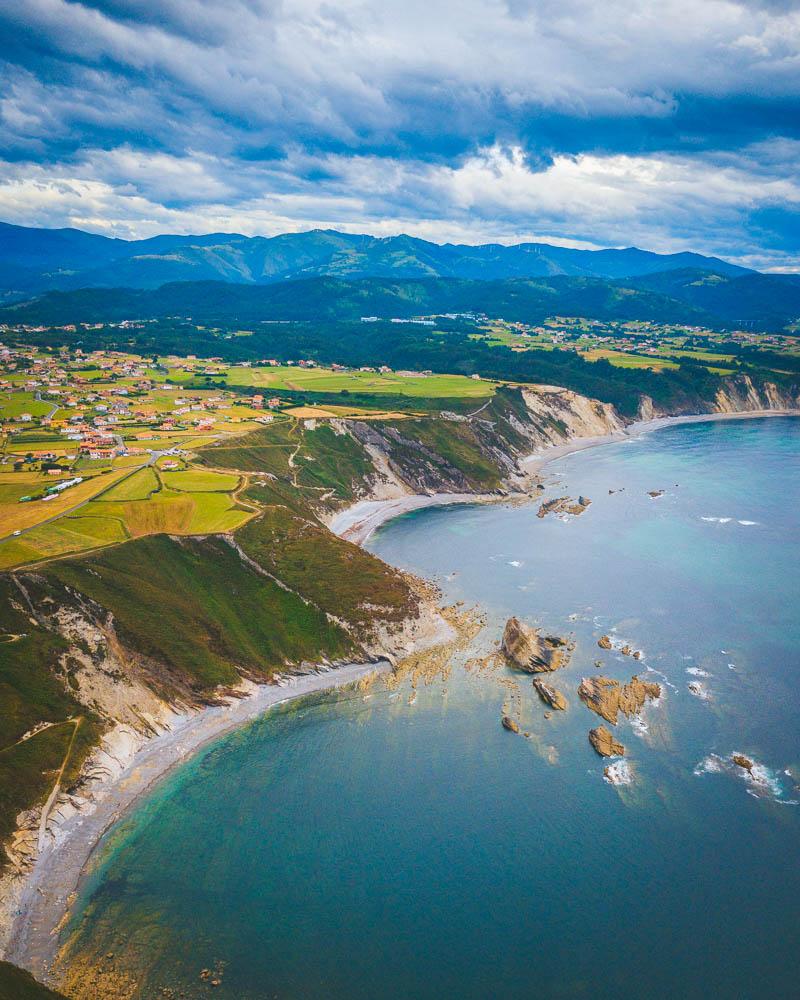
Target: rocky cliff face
x,y
742,395
480,452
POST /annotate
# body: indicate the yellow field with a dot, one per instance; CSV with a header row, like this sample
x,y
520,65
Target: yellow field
x,y
16,516
622,360
129,509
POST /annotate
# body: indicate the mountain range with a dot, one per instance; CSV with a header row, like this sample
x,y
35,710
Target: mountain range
x,y
58,276
37,260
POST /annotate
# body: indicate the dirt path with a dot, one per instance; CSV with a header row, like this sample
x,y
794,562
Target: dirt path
x,y
57,786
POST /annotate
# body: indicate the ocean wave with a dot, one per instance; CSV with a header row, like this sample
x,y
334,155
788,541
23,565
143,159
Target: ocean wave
x,y
697,672
726,520
762,781
618,773
514,562
699,690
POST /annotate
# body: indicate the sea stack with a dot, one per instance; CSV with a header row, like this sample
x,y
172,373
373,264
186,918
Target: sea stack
x,y
526,649
604,743
550,696
608,697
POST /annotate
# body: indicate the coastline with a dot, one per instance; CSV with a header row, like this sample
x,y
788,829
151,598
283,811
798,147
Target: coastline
x,y
358,522
536,461
50,887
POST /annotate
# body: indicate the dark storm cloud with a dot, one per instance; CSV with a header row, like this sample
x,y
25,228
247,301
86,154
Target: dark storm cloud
x,y
491,118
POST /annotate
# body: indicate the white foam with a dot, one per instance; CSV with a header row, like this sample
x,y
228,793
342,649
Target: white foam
x,y
697,672
748,522
618,773
709,765
699,690
761,780
514,562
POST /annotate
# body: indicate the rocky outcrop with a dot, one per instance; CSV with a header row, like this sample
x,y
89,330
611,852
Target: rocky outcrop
x,y
607,697
604,743
525,648
550,696
604,642
563,505
510,724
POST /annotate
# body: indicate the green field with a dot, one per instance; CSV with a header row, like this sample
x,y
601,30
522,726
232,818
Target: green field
x,y
325,380
139,486
13,404
621,359
200,481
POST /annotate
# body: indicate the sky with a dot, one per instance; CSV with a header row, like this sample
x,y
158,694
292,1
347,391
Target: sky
x,y
665,124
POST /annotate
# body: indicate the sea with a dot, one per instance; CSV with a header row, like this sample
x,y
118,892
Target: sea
x,y
398,842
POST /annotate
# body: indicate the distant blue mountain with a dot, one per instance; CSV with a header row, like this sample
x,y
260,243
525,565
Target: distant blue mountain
x,y
37,260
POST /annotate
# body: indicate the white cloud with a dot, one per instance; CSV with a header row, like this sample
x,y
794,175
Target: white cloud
x,y
663,203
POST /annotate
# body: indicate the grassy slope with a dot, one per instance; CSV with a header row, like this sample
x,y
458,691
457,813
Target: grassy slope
x,y
324,461
31,694
198,610
337,576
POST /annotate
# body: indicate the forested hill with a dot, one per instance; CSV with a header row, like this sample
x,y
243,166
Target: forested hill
x,y
35,260
760,301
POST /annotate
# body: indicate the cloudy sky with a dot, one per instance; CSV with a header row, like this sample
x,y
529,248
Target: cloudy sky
x,y
669,124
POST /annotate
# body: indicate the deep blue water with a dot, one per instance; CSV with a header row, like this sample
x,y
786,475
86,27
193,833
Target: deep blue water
x,y
364,847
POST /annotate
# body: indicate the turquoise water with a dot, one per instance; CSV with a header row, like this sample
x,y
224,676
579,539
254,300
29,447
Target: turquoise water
x,y
364,847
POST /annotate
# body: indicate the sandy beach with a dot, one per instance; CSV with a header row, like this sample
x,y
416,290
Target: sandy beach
x,y
50,888
359,521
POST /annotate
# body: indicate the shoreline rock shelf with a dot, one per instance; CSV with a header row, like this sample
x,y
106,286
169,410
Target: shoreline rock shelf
x,y
607,697
563,505
525,648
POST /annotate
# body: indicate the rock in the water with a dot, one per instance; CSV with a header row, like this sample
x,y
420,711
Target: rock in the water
x,y
741,761
608,697
510,724
604,642
655,493
563,505
604,743
550,695
626,650
526,649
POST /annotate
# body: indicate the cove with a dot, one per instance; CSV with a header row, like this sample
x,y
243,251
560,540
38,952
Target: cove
x,y
400,844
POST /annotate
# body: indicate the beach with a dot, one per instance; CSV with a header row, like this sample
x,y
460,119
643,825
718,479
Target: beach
x,y
50,887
